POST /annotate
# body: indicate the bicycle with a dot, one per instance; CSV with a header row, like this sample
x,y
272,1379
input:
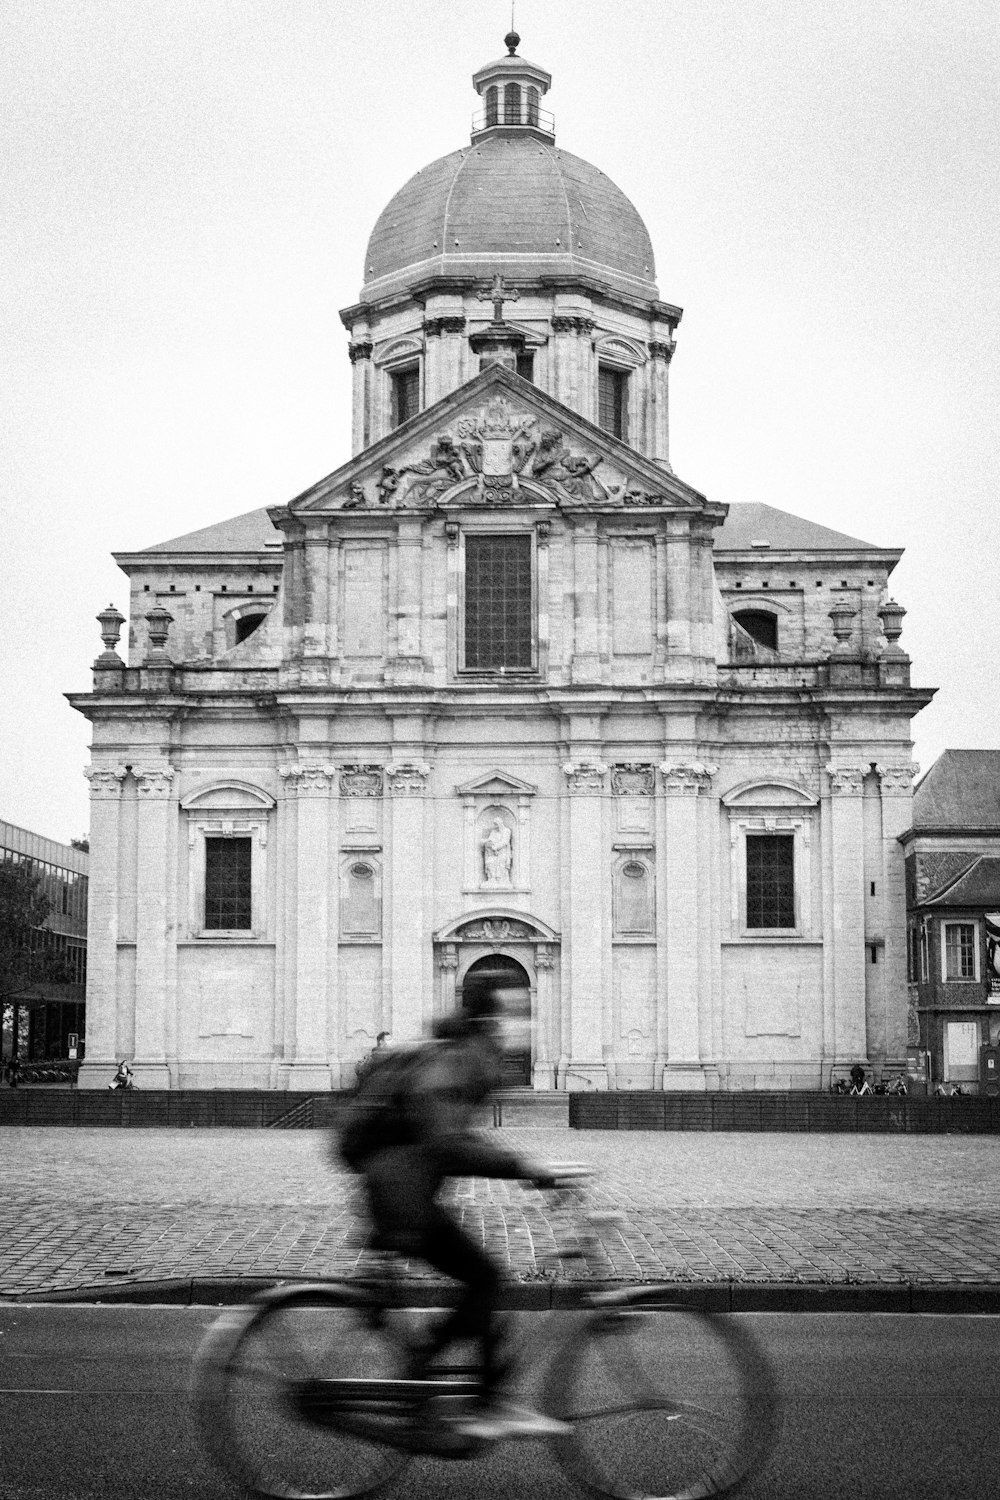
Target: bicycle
x,y
303,1394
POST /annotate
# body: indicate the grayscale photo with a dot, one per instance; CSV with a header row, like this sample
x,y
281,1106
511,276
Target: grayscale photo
x,y
500,795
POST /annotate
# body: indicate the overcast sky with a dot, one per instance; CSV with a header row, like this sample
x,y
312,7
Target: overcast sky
x,y
190,185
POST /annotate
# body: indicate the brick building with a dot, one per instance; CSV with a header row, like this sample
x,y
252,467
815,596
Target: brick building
x,y
504,688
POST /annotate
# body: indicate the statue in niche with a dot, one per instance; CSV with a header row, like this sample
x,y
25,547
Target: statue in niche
x,y
498,853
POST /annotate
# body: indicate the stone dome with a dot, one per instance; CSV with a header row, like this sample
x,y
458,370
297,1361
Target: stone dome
x,y
515,202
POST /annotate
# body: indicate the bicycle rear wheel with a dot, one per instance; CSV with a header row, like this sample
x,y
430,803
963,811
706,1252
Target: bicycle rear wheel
x,y
281,1397
664,1401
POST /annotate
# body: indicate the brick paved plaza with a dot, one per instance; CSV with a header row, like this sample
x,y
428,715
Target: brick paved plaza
x,y
151,1204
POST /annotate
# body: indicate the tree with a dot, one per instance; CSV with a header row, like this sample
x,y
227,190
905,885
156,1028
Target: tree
x,y
83,844
24,908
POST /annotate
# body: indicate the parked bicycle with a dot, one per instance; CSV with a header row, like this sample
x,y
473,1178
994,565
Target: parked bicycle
x,y
304,1393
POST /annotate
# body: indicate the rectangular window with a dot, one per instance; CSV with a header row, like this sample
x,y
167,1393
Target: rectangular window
x,y
498,603
912,954
770,880
960,950
405,394
227,884
612,401
526,366
924,958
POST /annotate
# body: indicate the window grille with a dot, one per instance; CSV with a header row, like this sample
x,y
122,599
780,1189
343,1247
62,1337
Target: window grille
x,y
405,394
959,950
532,106
498,612
492,112
770,880
512,104
612,397
227,884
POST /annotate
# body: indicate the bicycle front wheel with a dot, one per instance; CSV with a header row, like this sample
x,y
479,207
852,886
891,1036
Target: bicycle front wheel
x,y
286,1394
664,1401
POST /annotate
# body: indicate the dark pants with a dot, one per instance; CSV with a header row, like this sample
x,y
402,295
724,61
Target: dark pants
x,y
402,1185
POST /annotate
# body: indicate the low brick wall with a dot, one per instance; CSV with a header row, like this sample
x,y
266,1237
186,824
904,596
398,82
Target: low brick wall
x,y
237,1108
784,1111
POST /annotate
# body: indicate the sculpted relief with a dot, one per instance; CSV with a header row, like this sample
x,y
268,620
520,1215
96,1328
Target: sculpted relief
x,y
496,456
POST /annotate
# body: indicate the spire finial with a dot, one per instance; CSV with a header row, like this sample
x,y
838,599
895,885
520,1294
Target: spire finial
x,y
512,39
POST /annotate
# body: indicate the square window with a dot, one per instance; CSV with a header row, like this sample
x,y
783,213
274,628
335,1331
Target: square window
x,y
499,614
227,884
405,385
770,880
612,401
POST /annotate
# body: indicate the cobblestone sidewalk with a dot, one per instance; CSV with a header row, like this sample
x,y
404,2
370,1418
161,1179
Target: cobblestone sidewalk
x,y
111,1206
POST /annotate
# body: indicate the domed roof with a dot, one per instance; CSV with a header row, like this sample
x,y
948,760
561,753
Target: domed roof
x,y
510,201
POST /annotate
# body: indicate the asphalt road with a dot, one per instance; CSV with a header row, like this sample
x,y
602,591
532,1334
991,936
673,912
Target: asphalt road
x,y
93,1402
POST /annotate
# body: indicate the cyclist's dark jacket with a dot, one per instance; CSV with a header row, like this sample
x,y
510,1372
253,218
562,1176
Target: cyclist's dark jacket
x,y
455,1078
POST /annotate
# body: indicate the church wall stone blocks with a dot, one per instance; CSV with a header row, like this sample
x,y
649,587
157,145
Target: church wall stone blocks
x,y
503,688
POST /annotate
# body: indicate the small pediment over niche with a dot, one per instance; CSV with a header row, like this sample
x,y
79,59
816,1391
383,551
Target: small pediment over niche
x,y
227,794
769,794
496,784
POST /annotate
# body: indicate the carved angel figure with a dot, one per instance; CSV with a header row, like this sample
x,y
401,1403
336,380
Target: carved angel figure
x,y
439,472
388,484
554,462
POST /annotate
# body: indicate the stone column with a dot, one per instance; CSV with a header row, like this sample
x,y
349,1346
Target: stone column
x,y
586,665
102,924
661,352
315,631
407,878
678,665
583,967
407,666
361,372
315,968
156,823
896,783
543,1076
447,962
846,908
442,355
678,911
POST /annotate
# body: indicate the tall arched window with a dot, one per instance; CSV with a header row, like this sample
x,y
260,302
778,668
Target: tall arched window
x,y
512,104
492,110
532,106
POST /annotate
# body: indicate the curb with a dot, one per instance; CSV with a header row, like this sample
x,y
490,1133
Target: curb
x,y
527,1296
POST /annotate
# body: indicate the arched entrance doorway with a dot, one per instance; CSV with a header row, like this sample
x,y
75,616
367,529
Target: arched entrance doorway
x,y
516,1065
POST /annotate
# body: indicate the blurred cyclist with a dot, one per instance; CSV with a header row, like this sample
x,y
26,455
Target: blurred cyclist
x,y
427,1134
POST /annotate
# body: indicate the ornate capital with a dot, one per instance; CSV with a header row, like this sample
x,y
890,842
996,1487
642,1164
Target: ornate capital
x,y
846,781
308,781
361,781
434,326
897,781
686,778
105,781
407,777
568,323
633,779
153,781
545,959
360,350
660,350
448,957
585,777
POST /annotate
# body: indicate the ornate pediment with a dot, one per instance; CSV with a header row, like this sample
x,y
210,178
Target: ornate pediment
x,y
498,442
496,784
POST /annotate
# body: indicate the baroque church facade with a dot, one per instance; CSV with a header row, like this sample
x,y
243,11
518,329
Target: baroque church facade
x,y
503,689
